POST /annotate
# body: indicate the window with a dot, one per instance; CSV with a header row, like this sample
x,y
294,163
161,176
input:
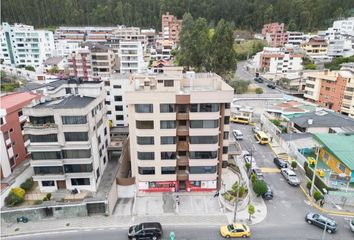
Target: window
x,y
98,174
168,140
20,113
168,124
168,170
203,155
76,136
106,83
68,90
146,170
2,120
46,155
118,98
12,161
168,83
80,181
117,86
341,167
145,140
17,156
205,107
109,112
225,150
227,105
82,153
145,124
119,108
119,117
204,123
43,138
105,131
107,102
146,155
182,138
48,183
48,170
41,120
99,140
168,155
11,130
226,120
74,120
77,168
167,108
203,139
202,170
6,135
226,135
144,108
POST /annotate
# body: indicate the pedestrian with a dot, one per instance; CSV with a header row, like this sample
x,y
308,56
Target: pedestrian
x,y
271,139
216,194
321,202
177,200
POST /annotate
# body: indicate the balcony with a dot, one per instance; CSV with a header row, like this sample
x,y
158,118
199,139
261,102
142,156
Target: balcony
x,y
182,175
182,146
182,116
182,161
182,131
40,129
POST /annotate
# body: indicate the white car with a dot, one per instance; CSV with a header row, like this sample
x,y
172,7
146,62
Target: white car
x,y
290,176
256,129
250,159
351,225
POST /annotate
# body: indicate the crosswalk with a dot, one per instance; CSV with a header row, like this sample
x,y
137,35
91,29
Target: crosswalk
x,y
270,170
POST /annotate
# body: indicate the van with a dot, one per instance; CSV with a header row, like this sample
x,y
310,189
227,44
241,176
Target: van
x,y
238,134
239,119
261,137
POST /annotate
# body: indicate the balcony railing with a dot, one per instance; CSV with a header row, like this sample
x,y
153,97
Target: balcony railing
x,y
40,126
182,131
182,161
182,146
182,175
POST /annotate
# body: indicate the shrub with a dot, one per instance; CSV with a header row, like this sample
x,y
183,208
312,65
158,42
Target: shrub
x,y
248,166
45,199
318,181
253,178
49,196
259,90
12,200
242,191
27,185
259,187
37,202
293,164
18,192
234,187
317,195
308,185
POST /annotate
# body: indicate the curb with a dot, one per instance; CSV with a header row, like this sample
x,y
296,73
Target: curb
x,y
336,213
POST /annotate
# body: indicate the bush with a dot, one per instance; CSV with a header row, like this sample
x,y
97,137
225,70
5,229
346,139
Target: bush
x,y
27,185
242,191
248,166
253,178
318,181
317,195
12,200
49,196
45,199
234,187
259,90
293,164
308,185
259,187
37,202
19,192
310,66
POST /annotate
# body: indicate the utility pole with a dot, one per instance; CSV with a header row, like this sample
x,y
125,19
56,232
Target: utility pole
x,y
314,170
236,203
324,232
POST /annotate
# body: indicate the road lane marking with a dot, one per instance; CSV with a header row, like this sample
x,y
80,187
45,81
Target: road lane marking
x,y
270,170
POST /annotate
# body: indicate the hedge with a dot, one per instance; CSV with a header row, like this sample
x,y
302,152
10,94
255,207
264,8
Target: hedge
x,y
318,181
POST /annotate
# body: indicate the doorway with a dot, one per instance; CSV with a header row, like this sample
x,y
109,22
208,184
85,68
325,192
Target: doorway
x,y
182,186
61,184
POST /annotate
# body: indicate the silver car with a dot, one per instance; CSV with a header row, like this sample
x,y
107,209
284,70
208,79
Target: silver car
x,y
351,225
290,177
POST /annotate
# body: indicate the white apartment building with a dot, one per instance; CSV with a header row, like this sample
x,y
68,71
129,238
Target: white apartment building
x,y
295,38
179,130
341,47
131,57
84,34
64,47
22,45
69,136
116,87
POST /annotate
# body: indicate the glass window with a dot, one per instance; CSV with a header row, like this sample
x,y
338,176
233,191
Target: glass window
x,y
76,168
48,170
225,150
48,183
144,108
226,120
204,123
82,153
203,139
117,86
168,155
202,170
41,120
145,140
146,155
168,83
167,108
168,124
145,124
168,170
6,135
146,170
46,155
118,98
119,117
226,135
76,136
80,181
119,108
168,140
74,119
205,107
203,155
227,105
44,138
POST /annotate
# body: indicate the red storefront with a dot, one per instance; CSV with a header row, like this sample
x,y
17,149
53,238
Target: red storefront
x,y
173,186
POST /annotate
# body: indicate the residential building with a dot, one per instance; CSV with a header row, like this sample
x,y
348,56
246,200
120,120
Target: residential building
x,y
103,61
22,45
331,89
63,47
69,136
162,50
131,57
338,153
315,48
341,47
278,60
13,143
295,38
150,36
320,121
60,63
171,27
179,130
79,63
84,34
340,29
275,34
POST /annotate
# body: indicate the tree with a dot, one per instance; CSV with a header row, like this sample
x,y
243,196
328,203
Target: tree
x,y
184,56
248,166
30,68
251,211
259,90
293,164
310,66
240,86
308,185
3,74
260,187
253,178
317,196
292,25
53,70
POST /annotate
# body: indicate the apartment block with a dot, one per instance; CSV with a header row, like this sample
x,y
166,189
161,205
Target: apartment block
x,y
13,143
64,47
171,27
295,38
333,90
179,130
69,136
79,64
22,45
131,57
316,48
275,34
84,34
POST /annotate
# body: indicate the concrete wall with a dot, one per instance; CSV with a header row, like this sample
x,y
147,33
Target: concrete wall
x,y
19,72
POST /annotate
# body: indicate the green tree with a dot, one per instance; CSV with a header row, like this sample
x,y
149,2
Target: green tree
x,y
292,25
293,164
253,178
30,68
2,74
53,70
251,210
184,56
317,196
259,187
259,90
310,66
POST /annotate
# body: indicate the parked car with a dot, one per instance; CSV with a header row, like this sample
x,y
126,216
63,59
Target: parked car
x,y
235,230
280,163
268,195
321,221
270,85
290,176
258,172
237,134
148,230
256,129
250,159
351,224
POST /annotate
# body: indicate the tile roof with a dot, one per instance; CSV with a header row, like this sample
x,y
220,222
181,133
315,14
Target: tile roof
x,y
14,99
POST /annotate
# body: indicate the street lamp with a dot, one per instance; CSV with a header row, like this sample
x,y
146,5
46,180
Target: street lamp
x,y
237,196
314,170
324,231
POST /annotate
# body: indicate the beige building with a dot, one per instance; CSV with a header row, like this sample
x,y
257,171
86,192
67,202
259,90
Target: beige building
x,y
179,130
316,48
